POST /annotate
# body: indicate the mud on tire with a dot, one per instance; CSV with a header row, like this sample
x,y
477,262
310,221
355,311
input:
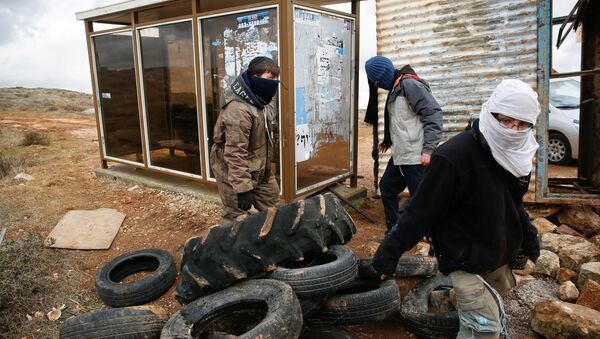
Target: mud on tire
x,y
116,294
360,302
257,243
118,323
408,266
282,314
325,274
417,317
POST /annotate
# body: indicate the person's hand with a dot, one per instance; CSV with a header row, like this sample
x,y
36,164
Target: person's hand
x,y
244,200
425,158
383,147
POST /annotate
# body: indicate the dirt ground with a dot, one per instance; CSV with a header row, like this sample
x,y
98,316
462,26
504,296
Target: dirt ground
x,y
64,180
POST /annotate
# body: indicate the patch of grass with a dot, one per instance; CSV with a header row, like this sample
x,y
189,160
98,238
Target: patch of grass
x,y
11,164
23,281
35,138
33,279
6,165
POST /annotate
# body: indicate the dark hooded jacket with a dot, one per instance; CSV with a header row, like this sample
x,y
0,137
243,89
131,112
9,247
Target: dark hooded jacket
x,y
472,208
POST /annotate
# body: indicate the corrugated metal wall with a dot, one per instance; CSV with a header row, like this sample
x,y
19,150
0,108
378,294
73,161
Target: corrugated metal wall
x,y
463,48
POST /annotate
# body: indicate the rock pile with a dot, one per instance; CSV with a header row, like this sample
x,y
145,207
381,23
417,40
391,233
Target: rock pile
x,y
570,255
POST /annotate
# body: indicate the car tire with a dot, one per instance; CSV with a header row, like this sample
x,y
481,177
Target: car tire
x,y
283,317
311,306
416,315
116,294
339,269
324,331
559,149
408,266
361,302
119,323
250,246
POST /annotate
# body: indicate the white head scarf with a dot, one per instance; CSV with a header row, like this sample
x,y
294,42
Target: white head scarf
x,y
513,150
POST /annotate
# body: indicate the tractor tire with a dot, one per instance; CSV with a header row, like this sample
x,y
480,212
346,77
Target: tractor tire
x,y
254,244
278,308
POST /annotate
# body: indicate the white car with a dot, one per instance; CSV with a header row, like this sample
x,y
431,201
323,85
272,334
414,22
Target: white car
x,y
563,131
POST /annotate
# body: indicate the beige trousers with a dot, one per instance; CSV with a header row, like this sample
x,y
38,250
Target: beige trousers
x,y
480,308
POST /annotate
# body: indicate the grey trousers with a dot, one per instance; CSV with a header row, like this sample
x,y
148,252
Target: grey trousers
x,y
480,308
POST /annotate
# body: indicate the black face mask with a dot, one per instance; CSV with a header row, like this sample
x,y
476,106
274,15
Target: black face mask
x,y
264,89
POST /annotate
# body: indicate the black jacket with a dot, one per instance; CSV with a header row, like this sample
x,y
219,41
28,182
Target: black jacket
x,y
472,208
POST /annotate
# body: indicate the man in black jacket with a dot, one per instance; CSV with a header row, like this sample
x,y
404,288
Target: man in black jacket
x,y
470,201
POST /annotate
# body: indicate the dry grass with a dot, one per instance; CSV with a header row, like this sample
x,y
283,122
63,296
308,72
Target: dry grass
x,y
13,164
35,279
35,138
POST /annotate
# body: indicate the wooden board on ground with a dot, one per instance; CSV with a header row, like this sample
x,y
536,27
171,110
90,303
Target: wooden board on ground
x,y
86,230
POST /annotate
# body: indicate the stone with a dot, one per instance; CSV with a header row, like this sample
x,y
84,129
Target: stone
x,y
558,319
529,266
519,302
543,225
522,278
564,274
564,229
595,240
581,218
590,295
553,242
541,211
573,256
23,177
589,270
548,263
567,292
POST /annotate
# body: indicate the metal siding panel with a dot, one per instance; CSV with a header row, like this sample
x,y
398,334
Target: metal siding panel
x,y
462,48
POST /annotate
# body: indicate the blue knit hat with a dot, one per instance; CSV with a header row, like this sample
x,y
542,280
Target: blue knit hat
x,y
380,70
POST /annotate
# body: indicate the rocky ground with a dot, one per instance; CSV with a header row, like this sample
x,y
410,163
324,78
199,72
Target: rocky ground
x,y
40,182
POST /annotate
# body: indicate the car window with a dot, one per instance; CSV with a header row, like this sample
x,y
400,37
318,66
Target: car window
x,y
564,94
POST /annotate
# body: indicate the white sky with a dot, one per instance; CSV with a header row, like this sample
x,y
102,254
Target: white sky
x,y
43,45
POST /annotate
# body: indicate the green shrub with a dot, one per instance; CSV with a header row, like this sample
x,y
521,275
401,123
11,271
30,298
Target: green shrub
x,y
35,138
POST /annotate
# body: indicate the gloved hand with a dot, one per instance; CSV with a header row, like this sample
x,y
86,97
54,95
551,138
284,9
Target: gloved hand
x,y
244,200
386,257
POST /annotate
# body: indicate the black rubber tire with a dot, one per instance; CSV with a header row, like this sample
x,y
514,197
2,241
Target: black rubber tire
x,y
138,292
417,317
361,302
407,267
311,306
128,322
254,244
321,279
559,149
283,319
324,331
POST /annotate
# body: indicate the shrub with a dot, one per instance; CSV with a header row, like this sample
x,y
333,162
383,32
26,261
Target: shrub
x,y
6,165
35,138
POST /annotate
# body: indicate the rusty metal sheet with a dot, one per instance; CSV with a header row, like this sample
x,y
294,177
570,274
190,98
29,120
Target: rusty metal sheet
x,y
462,48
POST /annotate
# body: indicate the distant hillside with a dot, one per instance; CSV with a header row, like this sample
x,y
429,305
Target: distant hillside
x,y
45,99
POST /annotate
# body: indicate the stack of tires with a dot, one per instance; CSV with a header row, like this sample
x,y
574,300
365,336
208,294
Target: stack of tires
x,y
281,273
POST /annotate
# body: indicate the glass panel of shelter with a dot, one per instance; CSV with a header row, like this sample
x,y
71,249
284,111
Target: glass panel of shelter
x,y
169,92
229,42
117,96
564,101
323,54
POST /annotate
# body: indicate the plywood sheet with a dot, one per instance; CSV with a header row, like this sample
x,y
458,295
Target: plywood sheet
x,y
86,230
